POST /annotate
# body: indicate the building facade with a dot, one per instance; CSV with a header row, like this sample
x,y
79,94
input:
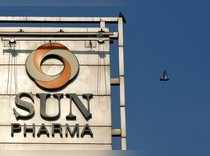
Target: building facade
x,y
56,84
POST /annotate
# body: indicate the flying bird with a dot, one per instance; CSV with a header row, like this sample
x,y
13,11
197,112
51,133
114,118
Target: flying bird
x,y
164,76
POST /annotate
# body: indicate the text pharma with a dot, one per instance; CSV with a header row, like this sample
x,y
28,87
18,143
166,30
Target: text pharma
x,y
22,102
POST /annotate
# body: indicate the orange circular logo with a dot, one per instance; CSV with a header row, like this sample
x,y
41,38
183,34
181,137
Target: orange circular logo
x,y
56,50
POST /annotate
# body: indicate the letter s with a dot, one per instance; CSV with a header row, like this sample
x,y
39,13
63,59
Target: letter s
x,y
24,105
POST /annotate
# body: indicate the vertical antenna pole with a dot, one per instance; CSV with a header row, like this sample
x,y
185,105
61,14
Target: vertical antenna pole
x,y
122,86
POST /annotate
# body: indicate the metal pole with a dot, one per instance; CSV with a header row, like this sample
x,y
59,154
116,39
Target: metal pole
x,y
122,86
38,19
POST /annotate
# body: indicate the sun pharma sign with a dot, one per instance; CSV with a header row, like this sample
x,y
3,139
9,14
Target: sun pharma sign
x,y
55,94
51,82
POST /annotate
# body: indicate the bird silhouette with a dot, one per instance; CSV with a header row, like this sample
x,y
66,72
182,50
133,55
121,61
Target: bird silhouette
x,y
164,76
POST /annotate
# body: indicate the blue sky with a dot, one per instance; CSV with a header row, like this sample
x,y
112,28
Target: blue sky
x,y
164,118
69,3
